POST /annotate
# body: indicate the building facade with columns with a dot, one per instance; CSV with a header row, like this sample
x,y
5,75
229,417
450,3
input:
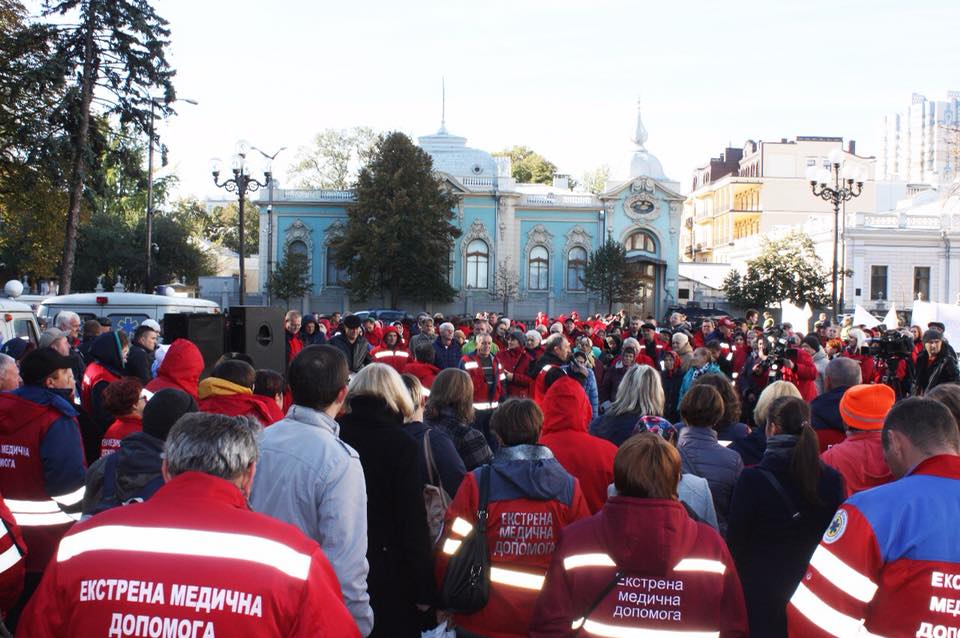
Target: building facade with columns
x,y
540,234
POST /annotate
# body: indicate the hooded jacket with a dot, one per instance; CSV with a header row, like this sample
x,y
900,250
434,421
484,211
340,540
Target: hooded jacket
x,y
531,498
649,556
106,365
425,372
181,369
136,464
220,396
860,461
588,458
396,357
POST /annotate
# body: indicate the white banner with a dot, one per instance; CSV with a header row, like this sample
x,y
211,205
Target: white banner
x,y
947,314
863,318
798,317
891,321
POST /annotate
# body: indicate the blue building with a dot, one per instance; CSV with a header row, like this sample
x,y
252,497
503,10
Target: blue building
x,y
537,235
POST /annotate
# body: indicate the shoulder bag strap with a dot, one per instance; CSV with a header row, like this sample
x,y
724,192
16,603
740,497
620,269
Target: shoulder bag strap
x,y
428,455
599,599
484,498
767,474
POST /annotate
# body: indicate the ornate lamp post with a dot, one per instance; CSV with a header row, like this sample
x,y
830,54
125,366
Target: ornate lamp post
x,y
154,102
240,184
269,159
845,187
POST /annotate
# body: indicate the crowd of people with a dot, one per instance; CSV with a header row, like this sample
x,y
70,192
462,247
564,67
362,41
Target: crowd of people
x,y
604,476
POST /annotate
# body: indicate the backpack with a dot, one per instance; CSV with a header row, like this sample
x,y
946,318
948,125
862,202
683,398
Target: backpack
x,y
435,498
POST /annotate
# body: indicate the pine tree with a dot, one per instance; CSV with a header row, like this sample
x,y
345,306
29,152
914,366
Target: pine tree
x,y
399,234
290,278
609,274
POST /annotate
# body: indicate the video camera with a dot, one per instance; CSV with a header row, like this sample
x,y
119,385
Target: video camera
x,y
892,344
777,348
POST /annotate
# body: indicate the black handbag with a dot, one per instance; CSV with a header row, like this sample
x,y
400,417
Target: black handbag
x,y
466,582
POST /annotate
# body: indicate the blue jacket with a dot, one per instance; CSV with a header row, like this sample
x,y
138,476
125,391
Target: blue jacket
x,y
825,410
702,456
448,463
688,380
447,357
61,449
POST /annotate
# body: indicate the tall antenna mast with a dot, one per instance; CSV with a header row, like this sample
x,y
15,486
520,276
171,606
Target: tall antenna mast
x,y
443,104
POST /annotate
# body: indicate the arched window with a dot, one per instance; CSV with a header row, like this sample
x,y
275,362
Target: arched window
x,y
335,276
297,248
478,258
641,240
576,264
539,277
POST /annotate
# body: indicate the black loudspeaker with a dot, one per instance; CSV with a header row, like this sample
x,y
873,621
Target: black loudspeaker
x,y
203,329
258,332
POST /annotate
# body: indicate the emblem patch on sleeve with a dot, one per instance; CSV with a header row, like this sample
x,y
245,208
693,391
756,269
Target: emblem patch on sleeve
x,y
837,527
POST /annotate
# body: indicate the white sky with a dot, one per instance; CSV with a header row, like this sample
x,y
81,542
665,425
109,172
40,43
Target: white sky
x,y
560,77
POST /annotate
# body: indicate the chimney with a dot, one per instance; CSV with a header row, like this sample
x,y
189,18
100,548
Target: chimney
x,y
852,147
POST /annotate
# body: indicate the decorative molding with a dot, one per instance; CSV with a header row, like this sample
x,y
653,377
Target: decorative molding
x,y
298,231
333,229
538,236
576,237
642,206
477,230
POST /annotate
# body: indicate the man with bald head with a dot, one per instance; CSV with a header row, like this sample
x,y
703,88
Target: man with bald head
x,y
841,374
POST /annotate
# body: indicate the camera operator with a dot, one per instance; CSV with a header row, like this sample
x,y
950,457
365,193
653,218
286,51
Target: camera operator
x,y
779,359
893,362
936,364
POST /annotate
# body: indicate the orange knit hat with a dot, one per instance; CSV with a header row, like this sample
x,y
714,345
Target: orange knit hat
x,y
864,407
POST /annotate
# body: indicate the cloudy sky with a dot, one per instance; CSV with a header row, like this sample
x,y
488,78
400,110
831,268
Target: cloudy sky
x,y
560,77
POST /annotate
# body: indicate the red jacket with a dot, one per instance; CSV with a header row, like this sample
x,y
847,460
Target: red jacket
x,y
667,576
426,372
859,459
262,408
483,397
516,361
200,560
119,430
531,499
589,458
806,375
889,563
12,563
93,375
395,358
866,365
180,369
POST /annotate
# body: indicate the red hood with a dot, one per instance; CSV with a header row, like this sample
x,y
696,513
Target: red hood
x,y
17,413
567,407
264,408
647,535
181,368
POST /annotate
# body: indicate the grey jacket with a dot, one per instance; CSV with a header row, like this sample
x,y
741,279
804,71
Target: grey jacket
x,y
702,456
695,493
311,479
820,360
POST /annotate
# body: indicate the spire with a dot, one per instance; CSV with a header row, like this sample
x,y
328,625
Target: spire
x,y
443,106
641,136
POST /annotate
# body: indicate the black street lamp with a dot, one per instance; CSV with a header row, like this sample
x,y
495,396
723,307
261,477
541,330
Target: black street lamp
x,y
241,183
151,248
844,189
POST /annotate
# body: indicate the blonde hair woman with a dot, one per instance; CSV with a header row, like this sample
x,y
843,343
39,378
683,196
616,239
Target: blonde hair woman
x,y
637,408
398,543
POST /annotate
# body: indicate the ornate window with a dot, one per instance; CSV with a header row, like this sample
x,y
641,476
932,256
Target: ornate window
x,y
478,259
576,265
297,247
642,241
335,275
539,271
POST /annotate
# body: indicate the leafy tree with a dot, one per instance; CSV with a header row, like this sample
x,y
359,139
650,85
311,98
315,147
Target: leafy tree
x,y
506,284
595,181
529,167
290,277
399,234
222,225
786,269
608,274
334,158
110,54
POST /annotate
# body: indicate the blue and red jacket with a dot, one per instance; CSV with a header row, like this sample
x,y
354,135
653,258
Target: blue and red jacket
x,y
889,563
531,498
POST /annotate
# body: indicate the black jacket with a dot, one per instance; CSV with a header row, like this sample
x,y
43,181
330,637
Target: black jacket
x,y
825,410
398,543
449,465
138,463
942,370
139,363
770,548
357,353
